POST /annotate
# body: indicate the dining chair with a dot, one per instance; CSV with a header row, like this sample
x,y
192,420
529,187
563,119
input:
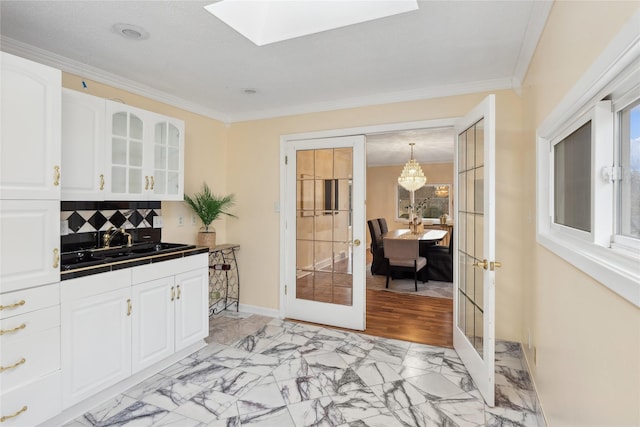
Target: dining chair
x,y
378,264
440,259
383,225
403,255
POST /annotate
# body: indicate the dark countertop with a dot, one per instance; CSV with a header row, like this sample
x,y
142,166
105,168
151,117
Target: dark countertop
x,y
73,271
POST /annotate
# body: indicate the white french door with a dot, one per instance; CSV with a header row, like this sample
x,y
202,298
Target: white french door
x,y
325,231
474,282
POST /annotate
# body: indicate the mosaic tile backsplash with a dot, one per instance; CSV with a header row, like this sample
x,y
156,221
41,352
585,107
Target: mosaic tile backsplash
x,y
86,221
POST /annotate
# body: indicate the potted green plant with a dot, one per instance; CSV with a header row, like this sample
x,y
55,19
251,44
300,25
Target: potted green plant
x,y
209,207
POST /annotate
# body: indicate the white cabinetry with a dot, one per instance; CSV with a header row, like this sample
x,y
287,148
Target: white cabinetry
x,y
30,355
96,333
192,321
83,135
30,176
29,130
144,154
170,313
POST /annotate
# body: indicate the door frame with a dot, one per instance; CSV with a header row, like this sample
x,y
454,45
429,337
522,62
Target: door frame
x,y
363,130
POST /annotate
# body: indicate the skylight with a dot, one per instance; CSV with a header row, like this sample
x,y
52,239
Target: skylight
x,y
270,21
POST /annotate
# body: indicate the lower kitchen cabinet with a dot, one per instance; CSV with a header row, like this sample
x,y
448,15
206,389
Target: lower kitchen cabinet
x,y
31,404
96,343
192,309
169,314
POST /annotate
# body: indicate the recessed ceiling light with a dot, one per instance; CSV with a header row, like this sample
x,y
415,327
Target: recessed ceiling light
x,y
131,32
269,21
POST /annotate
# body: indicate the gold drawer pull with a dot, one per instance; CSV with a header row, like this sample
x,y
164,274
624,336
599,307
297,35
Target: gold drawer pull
x,y
16,329
8,417
18,304
153,182
146,182
173,293
178,291
15,365
129,307
101,181
56,175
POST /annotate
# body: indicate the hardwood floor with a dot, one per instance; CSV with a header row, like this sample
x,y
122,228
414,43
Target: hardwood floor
x,y
414,318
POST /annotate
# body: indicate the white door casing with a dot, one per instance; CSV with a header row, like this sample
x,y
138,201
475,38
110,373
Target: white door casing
x,y
474,269
343,246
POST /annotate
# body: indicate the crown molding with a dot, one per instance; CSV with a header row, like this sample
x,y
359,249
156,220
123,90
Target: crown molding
x,y
74,67
77,68
379,99
540,10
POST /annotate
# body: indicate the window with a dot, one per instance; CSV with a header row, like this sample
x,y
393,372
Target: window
x,y
588,172
432,201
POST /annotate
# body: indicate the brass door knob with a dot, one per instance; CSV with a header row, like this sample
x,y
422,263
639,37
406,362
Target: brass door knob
x,y
481,264
356,242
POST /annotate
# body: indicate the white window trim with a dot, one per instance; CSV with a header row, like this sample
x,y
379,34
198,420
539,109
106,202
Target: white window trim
x,y
617,268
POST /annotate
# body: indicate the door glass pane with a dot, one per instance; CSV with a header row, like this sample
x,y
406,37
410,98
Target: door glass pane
x,y
479,322
119,124
173,158
462,191
478,190
160,157
118,151
462,152
161,134
471,190
470,319
324,261
135,180
479,237
173,183
135,153
174,136
118,179
479,143
160,178
135,127
471,148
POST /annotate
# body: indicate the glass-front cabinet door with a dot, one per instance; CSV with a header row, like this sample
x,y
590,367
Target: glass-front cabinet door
x,y
168,160
145,154
125,152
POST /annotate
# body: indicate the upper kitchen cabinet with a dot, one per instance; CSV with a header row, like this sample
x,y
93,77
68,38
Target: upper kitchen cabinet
x,y
83,136
144,154
30,130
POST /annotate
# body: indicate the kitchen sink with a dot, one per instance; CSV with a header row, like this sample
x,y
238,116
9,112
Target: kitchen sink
x,y
97,256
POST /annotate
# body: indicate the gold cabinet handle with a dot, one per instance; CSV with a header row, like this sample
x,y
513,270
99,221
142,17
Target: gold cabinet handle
x,y
16,329
481,264
56,175
56,258
8,417
129,307
101,181
494,264
178,291
153,182
146,182
173,293
15,365
10,306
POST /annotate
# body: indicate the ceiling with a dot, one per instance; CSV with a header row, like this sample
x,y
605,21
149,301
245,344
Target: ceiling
x,y
196,62
192,60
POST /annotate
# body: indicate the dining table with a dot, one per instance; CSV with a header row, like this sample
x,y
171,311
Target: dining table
x,y
426,236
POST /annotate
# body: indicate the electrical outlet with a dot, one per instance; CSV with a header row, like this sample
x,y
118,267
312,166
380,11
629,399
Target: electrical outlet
x,y
157,221
193,220
535,356
180,221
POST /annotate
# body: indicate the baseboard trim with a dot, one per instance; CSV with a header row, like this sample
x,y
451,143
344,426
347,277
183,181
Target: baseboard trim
x,y
262,311
540,415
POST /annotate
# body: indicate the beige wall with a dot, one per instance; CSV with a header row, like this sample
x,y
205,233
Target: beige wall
x,y
381,189
587,338
205,156
254,146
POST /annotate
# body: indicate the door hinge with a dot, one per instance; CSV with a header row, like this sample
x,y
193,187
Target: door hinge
x,y
286,160
611,173
285,289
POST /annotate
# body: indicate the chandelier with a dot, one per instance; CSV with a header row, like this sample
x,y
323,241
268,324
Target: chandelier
x,y
442,191
412,176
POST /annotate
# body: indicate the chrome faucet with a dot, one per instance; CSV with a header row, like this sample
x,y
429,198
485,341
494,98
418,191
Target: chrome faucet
x,y
111,232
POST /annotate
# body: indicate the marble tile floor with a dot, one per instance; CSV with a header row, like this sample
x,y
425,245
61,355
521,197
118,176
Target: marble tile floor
x,y
260,371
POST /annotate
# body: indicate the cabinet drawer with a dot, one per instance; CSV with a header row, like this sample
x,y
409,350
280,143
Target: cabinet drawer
x,y
25,359
28,300
74,289
18,327
33,403
149,272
